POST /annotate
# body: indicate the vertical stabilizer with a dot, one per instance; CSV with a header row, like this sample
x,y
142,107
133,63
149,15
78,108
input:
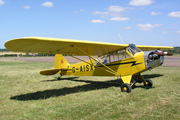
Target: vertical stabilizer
x,y
60,61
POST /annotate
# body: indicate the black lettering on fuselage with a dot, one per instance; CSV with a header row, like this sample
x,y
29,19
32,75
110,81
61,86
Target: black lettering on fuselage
x,y
87,67
81,69
73,69
84,68
91,67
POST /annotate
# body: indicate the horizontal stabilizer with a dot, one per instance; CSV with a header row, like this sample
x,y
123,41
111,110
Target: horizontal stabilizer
x,y
50,72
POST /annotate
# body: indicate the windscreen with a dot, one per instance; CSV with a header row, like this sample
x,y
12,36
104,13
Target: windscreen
x,y
133,49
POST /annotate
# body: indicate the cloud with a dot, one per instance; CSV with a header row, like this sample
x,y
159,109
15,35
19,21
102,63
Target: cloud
x,y
1,2
174,14
100,13
75,12
175,24
26,7
140,2
120,19
127,28
47,4
113,12
165,32
145,29
82,10
97,21
172,33
158,13
114,8
148,27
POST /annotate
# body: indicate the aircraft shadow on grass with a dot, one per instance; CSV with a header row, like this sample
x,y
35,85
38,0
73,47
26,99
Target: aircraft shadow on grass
x,y
91,85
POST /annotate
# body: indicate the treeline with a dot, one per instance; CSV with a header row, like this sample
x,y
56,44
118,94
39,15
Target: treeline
x,y
7,53
4,50
176,50
26,55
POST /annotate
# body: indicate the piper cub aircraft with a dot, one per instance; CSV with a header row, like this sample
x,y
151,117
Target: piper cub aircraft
x,y
126,61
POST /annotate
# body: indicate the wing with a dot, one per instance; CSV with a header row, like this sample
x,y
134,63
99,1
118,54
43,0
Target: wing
x,y
149,48
61,46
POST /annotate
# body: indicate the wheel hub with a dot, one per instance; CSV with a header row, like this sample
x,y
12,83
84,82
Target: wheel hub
x,y
125,89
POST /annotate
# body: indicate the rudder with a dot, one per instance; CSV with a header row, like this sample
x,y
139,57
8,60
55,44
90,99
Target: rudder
x,y
60,61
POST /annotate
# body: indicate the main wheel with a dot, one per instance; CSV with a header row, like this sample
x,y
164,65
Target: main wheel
x,y
149,83
126,88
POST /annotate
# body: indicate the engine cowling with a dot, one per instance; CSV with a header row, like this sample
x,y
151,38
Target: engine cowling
x,y
155,58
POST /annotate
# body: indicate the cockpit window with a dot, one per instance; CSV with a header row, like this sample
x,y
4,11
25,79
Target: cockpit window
x,y
118,55
112,57
133,49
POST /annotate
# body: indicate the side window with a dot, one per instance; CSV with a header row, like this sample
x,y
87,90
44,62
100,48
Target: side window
x,y
119,55
105,59
124,54
115,56
98,59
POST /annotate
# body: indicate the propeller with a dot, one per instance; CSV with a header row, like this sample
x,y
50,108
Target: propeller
x,y
163,53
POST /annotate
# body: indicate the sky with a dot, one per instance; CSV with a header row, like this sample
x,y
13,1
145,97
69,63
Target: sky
x,y
141,22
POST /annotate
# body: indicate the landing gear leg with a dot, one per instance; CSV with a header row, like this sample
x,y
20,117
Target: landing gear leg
x,y
139,78
59,78
126,87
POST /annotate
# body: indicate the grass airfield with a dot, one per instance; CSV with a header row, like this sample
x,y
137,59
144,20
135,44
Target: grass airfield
x,y
25,94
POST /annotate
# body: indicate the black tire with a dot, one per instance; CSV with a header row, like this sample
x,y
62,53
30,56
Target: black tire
x,y
126,88
149,83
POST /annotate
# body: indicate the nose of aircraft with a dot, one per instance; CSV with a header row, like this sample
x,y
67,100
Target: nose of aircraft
x,y
154,58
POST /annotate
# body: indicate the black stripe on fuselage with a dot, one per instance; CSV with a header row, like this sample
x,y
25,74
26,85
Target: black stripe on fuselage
x,y
133,64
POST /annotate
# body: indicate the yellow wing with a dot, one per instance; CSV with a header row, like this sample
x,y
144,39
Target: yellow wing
x,y
61,46
149,48
68,46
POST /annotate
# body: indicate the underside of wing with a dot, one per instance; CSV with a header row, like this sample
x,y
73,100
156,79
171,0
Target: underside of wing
x,y
149,48
61,46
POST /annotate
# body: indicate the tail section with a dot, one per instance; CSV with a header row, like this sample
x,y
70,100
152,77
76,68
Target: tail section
x,y
60,62
60,65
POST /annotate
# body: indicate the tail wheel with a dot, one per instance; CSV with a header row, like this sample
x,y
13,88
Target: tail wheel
x,y
149,83
126,88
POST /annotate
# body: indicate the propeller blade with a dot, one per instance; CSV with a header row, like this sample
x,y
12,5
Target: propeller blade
x,y
163,53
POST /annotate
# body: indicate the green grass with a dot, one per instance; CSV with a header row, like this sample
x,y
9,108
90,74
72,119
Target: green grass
x,y
25,94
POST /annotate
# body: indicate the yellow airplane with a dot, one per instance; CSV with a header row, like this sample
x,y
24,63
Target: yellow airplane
x,y
126,61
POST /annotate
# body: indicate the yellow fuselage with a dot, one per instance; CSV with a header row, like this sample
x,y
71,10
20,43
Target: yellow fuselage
x,y
123,67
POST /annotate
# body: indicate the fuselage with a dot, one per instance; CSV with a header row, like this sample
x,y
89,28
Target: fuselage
x,y
119,63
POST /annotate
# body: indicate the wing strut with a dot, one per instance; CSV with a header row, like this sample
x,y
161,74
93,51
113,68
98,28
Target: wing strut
x,y
79,59
109,69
